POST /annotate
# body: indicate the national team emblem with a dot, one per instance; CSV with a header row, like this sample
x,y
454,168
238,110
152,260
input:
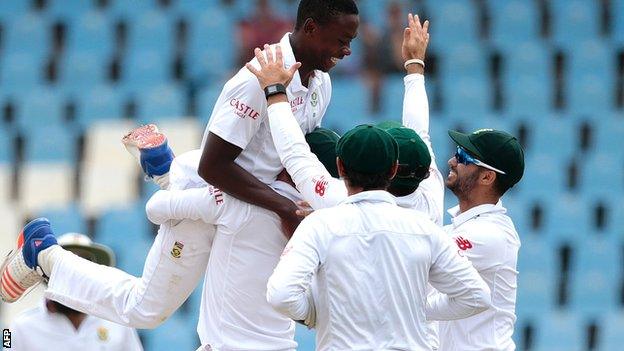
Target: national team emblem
x,y
314,100
463,244
102,334
176,251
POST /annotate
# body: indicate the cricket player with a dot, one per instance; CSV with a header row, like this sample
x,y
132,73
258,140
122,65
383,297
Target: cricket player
x,y
238,155
53,326
487,163
372,260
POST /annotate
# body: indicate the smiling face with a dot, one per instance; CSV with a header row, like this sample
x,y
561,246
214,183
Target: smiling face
x,y
330,42
462,179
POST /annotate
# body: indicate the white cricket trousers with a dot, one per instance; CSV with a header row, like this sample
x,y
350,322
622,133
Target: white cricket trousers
x,y
144,302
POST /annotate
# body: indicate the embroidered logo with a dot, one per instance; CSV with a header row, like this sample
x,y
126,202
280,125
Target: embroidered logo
x,y
102,334
176,251
243,110
314,100
320,185
463,244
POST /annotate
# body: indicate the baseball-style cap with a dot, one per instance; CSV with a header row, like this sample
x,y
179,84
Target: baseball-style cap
x,y
414,157
367,149
84,247
385,125
322,142
497,149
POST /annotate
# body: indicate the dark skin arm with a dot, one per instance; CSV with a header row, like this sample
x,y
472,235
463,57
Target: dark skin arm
x,y
217,167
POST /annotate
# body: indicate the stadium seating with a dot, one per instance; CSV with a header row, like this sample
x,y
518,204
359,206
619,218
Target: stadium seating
x,y
75,75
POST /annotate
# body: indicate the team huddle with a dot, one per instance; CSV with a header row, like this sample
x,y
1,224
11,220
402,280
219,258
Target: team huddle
x,y
289,222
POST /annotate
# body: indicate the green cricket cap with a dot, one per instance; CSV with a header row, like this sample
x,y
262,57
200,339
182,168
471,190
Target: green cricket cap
x,y
414,157
367,149
496,148
322,142
389,124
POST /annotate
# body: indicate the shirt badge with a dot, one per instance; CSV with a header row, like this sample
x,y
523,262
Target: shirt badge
x,y
314,99
102,334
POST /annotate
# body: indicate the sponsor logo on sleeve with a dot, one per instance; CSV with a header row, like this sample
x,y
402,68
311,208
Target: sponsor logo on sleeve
x,y
320,185
463,244
295,103
217,193
243,110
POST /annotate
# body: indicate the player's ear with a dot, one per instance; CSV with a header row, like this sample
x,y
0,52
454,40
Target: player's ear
x,y
341,168
309,26
487,177
394,169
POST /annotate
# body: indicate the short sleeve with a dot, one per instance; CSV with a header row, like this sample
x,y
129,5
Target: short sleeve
x,y
239,111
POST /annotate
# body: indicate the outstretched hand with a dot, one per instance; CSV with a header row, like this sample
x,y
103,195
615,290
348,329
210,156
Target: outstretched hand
x,y
272,70
415,39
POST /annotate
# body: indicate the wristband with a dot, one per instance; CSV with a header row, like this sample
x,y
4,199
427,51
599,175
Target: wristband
x,y
274,89
418,61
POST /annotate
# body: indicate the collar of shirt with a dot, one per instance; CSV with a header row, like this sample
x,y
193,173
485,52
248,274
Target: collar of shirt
x,y
289,60
370,196
460,218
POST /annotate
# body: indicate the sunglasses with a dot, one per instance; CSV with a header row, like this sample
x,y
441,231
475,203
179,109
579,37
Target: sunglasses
x,y
464,158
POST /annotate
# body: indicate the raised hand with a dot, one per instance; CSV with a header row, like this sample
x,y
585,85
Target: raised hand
x,y
272,70
415,39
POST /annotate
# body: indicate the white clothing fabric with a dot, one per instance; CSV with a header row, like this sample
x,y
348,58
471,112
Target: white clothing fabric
x,y
38,329
488,238
240,114
372,260
168,277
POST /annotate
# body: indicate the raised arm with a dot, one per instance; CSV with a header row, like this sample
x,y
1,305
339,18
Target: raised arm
x,y
310,176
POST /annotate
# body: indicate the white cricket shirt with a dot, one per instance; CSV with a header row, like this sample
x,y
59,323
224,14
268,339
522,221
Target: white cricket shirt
x,y
372,260
234,313
487,237
240,114
38,329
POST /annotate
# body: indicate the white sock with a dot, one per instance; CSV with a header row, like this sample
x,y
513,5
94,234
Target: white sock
x,y
49,257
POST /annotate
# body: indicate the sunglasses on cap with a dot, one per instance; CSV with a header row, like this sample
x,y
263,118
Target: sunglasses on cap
x,y
464,158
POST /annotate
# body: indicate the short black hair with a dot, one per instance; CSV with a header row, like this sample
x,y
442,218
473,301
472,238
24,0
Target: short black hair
x,y
322,11
367,181
500,185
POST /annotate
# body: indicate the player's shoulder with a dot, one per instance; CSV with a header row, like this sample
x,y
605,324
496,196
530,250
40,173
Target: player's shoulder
x,y
31,316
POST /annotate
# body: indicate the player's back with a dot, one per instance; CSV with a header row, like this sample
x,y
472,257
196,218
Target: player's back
x,y
373,276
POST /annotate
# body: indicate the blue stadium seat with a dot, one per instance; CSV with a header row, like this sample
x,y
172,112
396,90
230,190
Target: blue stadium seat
x,y
122,228
520,212
568,218
130,9
101,102
67,10
146,68
7,151
161,102
152,30
392,97
305,338
464,60
177,332
348,107
11,9
599,175
28,33
66,220
528,95
554,135
40,106
537,277
513,22
82,70
131,255
608,135
467,94
575,20
20,73
610,336
560,331
589,93
211,51
617,13
453,22
595,271
206,99
542,175
49,143
92,32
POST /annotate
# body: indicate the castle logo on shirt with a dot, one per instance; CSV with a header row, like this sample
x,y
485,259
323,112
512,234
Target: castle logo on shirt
x,y
243,110
463,244
102,334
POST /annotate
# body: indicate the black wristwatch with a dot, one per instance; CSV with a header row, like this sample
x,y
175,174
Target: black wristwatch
x,y
274,89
